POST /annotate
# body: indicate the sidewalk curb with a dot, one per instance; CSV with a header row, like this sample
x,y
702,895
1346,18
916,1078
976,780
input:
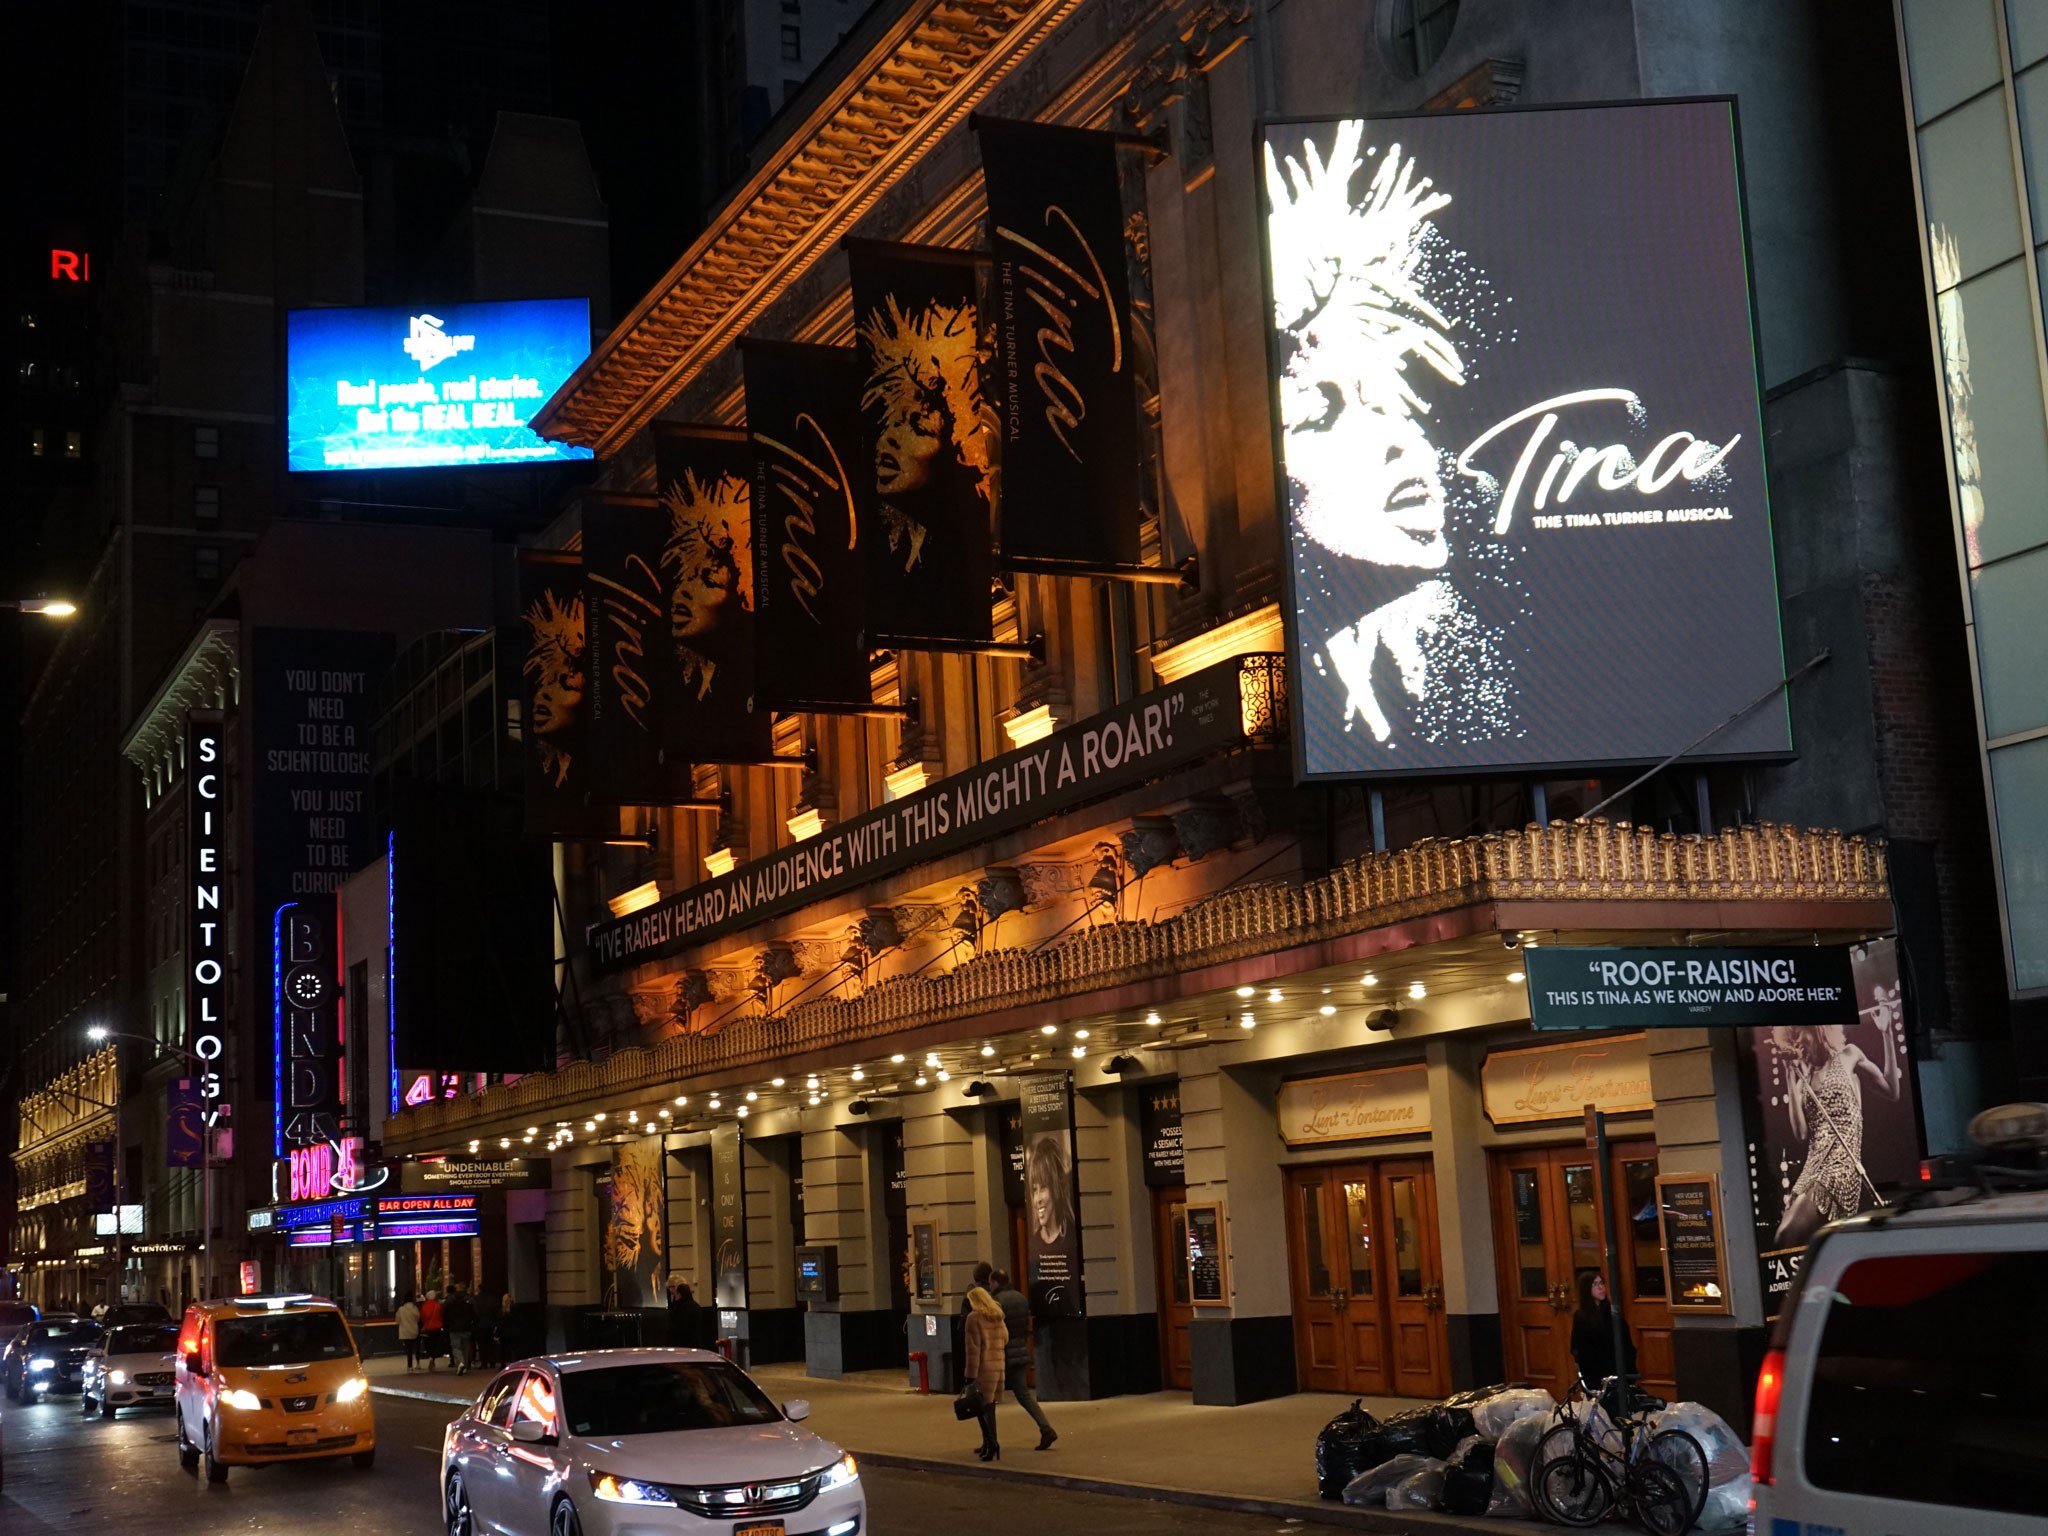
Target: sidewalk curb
x,y
1317,1512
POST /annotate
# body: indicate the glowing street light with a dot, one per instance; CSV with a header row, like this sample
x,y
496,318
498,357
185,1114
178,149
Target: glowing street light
x,y
48,607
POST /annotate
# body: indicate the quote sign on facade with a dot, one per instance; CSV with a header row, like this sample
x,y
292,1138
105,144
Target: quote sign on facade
x,y
1595,987
1520,444
411,388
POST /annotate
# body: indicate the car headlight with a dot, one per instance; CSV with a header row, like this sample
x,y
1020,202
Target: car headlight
x,y
42,1363
625,1490
240,1397
117,1378
842,1472
351,1389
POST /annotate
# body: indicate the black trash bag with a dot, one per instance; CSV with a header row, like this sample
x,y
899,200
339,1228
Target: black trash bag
x,y
1468,1482
1402,1435
1475,1397
1443,1427
1343,1450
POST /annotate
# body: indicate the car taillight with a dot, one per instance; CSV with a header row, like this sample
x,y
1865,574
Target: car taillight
x,y
1763,1430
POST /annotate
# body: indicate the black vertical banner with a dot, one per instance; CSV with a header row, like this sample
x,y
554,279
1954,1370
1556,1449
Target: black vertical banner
x,y
554,692
728,1220
1061,303
704,479
1052,1205
930,432
810,485
630,673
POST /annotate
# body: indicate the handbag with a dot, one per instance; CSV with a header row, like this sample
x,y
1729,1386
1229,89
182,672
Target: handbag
x,y
969,1403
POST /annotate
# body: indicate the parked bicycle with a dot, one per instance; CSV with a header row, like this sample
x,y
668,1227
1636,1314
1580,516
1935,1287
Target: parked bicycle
x,y
1599,1461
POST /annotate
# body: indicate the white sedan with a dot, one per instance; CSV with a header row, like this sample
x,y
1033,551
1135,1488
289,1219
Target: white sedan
x,y
129,1367
635,1442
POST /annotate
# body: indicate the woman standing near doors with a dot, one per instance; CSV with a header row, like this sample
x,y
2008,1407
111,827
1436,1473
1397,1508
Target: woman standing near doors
x,y
1593,1334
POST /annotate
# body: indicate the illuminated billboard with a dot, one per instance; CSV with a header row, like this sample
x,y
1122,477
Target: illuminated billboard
x,y
448,385
1520,442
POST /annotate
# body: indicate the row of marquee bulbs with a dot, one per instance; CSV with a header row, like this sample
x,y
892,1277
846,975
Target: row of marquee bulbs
x,y
564,1134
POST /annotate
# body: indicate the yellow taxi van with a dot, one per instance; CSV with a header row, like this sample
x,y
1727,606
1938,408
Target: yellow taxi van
x,y
270,1378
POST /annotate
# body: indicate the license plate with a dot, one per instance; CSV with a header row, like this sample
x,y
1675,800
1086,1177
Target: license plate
x,y
760,1528
298,1437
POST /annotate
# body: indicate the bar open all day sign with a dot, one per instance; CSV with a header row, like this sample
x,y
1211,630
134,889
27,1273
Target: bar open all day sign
x,y
1595,987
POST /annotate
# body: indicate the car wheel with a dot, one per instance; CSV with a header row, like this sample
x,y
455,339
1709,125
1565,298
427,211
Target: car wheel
x,y
188,1453
106,1410
564,1521
84,1403
455,1505
365,1460
216,1469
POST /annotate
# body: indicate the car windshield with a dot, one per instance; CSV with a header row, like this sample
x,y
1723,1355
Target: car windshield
x,y
142,1341
658,1397
280,1338
68,1333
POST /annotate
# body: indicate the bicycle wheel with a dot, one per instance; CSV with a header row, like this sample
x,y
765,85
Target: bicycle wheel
x,y
1572,1488
1684,1455
1659,1499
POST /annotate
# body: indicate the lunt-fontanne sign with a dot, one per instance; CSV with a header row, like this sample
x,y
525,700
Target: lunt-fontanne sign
x,y
1201,713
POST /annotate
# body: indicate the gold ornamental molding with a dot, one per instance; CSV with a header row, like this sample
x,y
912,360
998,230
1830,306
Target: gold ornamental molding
x,y
919,81
1597,863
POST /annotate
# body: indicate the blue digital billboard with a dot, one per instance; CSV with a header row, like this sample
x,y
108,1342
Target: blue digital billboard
x,y
448,385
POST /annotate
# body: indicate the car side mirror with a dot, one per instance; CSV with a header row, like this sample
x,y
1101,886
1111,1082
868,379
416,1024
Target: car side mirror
x,y
197,1366
529,1431
796,1410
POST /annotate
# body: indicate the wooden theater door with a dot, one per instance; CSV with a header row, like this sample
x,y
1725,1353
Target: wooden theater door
x,y
1366,1270
1546,1233
1176,1305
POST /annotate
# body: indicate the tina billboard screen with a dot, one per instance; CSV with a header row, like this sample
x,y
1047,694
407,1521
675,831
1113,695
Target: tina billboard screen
x,y
1519,440
445,386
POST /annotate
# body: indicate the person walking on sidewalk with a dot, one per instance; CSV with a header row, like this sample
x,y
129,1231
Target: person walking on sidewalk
x,y
487,1350
409,1330
460,1317
1017,1357
987,1338
430,1328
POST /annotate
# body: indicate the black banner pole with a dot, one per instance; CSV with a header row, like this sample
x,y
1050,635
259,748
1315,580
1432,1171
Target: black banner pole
x,y
1186,576
1596,1142
719,805
1031,650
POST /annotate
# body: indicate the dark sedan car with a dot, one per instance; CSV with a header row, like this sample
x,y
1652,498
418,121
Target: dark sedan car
x,y
48,1356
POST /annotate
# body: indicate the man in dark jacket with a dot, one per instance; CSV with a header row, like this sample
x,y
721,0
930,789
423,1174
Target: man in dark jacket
x,y
687,1318
458,1316
488,1351
1017,1376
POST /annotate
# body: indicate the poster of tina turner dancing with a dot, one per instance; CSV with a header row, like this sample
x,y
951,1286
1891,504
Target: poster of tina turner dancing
x,y
1520,449
1835,1124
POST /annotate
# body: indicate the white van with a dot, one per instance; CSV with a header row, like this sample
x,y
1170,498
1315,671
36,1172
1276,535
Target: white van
x,y
1906,1389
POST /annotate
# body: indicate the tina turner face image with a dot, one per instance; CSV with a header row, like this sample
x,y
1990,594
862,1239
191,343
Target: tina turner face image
x,y
1384,561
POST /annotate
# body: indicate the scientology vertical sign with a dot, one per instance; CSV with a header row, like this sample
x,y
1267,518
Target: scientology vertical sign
x,y
206,937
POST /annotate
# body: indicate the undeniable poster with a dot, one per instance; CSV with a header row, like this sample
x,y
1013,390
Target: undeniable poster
x,y
1520,448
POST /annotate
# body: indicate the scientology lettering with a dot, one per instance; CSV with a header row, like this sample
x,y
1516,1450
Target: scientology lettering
x,y
206,939
1199,714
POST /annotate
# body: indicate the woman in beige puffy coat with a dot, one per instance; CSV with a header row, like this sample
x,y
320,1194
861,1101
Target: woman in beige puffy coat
x,y
987,1338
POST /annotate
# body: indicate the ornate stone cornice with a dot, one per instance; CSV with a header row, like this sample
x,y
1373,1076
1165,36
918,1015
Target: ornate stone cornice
x,y
207,676
1581,873
928,70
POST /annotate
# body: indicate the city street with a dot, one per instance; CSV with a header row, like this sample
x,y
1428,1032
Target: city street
x,y
70,1474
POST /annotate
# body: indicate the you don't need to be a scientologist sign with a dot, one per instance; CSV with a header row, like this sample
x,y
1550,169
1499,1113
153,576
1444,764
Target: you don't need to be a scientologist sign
x,y
1188,719
406,388
1600,988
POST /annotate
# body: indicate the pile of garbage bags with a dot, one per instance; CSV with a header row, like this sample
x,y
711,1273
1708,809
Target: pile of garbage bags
x,y
1472,1454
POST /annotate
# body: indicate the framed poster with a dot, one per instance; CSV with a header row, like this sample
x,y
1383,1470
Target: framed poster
x,y
1208,1264
924,1260
1695,1253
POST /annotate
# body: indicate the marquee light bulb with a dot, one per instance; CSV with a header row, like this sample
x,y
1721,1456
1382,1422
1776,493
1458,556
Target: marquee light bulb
x,y
743,1111
1327,1009
988,1050
1246,1021
1246,991
684,1099
1080,1051
945,1076
859,1075
599,1116
897,1058
1080,1034
1049,1029
590,1125
815,1101
920,1079
775,1082
1368,980
1273,996
533,1130
752,1096
1417,990
1516,976
1152,1019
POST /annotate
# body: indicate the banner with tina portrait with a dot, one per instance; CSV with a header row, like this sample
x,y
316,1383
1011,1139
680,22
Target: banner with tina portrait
x,y
931,434
1834,1123
632,1212
547,642
1052,1206
810,495
704,481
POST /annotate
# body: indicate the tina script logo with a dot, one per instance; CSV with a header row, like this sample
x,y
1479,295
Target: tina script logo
x,y
802,485
427,344
1056,277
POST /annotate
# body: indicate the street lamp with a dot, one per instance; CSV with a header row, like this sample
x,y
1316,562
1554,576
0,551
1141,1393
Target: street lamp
x,y
99,1033
48,607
